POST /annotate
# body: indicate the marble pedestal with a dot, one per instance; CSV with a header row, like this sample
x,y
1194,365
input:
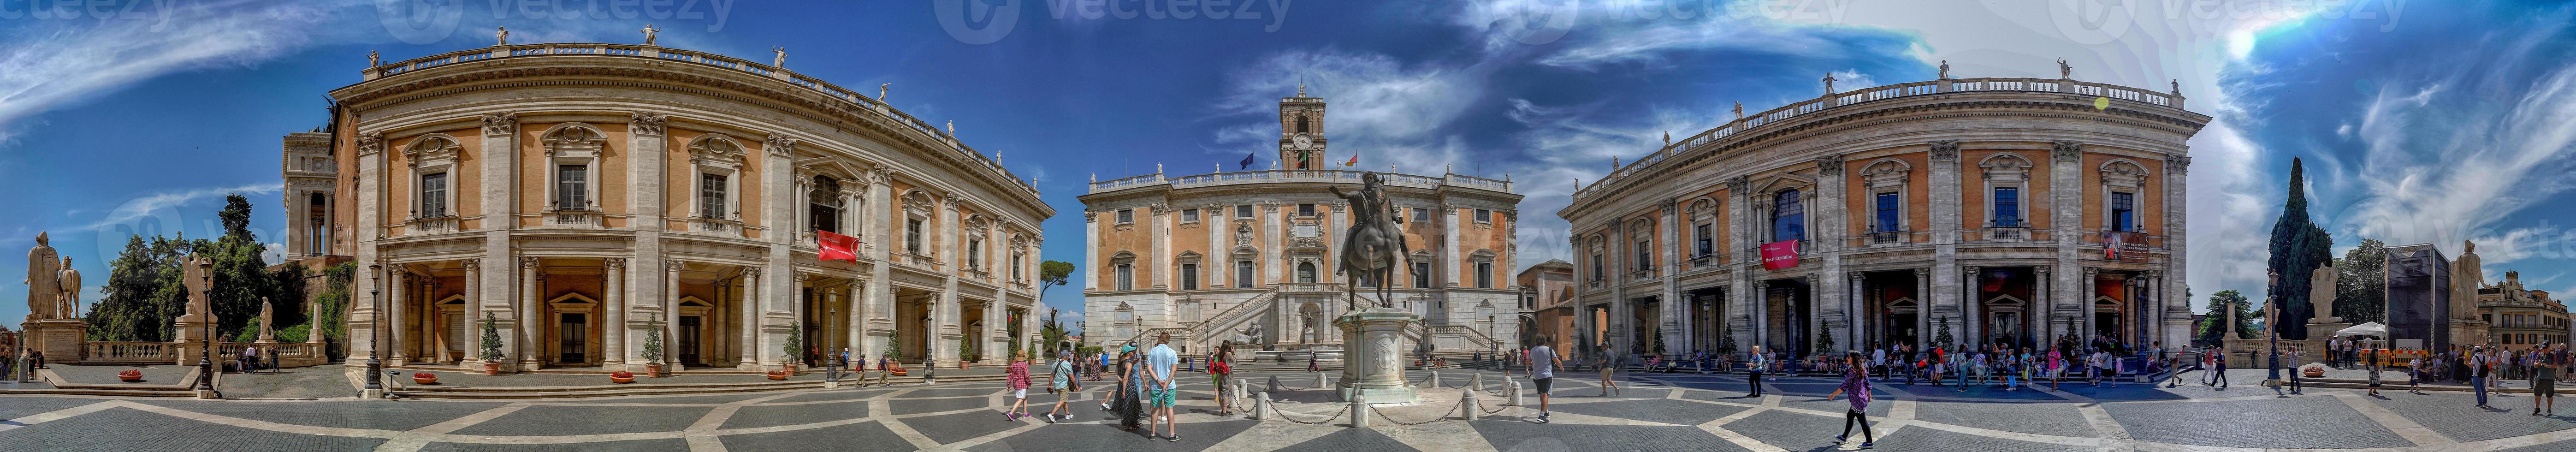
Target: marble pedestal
x,y
1373,364
62,340
193,341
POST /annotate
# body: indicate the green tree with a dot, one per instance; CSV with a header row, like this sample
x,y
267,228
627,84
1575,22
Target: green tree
x,y
491,352
240,274
2246,314
332,306
2361,288
2298,247
1052,332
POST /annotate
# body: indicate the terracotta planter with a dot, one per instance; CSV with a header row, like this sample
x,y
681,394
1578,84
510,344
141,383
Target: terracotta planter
x,y
788,367
778,375
653,369
491,368
130,376
424,378
2312,372
621,377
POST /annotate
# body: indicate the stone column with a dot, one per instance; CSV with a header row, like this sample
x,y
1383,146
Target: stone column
x,y
1623,318
937,326
1158,258
614,316
2066,212
531,310
2085,308
855,324
1830,227
1676,332
1741,250
879,318
799,297
1272,261
648,159
754,356
1449,255
1863,325
2043,310
1922,308
399,293
2178,311
473,311
1217,270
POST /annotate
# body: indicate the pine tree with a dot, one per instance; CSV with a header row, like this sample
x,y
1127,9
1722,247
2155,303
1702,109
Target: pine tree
x,y
491,352
653,341
2361,288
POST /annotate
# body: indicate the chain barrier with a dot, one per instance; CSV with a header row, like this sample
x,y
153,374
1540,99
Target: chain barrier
x,y
1444,416
1283,415
1499,408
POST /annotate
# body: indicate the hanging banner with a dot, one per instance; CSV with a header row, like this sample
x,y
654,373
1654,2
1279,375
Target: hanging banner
x,y
836,247
1780,255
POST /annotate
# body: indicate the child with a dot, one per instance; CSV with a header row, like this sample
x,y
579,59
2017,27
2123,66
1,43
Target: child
x,y
1018,374
2415,375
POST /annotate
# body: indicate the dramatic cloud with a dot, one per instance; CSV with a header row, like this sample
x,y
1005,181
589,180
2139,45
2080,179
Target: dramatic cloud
x,y
53,63
1389,112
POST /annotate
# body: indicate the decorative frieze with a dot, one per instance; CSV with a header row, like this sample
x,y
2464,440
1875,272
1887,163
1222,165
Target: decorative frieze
x,y
646,123
2067,151
503,123
1945,151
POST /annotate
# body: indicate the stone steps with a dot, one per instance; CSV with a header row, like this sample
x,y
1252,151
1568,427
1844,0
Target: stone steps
x,y
637,389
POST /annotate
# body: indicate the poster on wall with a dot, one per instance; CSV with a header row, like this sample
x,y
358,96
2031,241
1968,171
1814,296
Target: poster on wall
x,y
1780,255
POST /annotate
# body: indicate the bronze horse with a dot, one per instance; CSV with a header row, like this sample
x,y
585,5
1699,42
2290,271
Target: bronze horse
x,y
1373,244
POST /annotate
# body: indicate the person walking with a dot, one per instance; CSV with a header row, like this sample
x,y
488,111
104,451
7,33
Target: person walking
x,y
1878,359
2478,373
1061,381
1609,364
1542,362
1017,374
2056,367
2219,375
1165,394
1221,372
2374,374
1753,365
2296,384
1856,382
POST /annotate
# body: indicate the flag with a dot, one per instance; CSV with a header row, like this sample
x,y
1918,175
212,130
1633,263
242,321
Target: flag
x,y
836,246
1247,162
1780,255
1354,161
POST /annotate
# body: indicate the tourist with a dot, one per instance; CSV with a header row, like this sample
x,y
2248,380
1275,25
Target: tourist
x,y
1542,363
1132,375
2296,386
1220,372
1753,371
2118,366
1856,382
1877,359
2478,373
1936,366
2374,374
1911,364
1609,364
2544,380
245,360
1166,391
1017,373
1060,380
1311,364
2056,366
1117,375
2415,375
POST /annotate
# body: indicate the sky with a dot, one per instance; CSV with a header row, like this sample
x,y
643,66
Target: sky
x,y
2422,122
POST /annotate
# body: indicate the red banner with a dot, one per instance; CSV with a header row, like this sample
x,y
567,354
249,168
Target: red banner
x,y
836,247
1779,255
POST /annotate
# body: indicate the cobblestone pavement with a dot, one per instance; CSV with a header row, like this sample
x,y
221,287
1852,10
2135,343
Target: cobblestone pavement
x,y
1649,412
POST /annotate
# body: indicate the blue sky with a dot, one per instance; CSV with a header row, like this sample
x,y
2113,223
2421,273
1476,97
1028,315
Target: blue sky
x,y
2426,122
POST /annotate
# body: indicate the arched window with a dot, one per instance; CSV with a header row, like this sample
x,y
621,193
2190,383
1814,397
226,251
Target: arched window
x,y
1788,217
824,205
1301,123
1305,272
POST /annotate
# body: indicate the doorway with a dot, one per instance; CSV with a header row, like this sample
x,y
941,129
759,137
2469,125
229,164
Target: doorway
x,y
688,340
572,330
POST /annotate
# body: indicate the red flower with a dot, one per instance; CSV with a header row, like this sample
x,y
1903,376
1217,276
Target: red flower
x,y
621,374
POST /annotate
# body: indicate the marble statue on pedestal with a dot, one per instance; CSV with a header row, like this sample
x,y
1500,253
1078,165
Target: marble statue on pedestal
x,y
68,282
1373,245
44,291
267,321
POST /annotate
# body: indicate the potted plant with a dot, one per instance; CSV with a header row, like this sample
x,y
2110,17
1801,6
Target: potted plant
x,y
491,353
621,377
653,349
894,357
424,378
777,375
794,347
965,354
130,375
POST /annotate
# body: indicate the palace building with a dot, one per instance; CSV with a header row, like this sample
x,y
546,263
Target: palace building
x,y
1251,256
1967,211
581,195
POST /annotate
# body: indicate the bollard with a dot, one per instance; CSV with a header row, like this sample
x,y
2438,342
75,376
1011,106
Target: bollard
x,y
1274,383
1235,391
1434,382
1261,406
1359,414
1319,381
1467,405
1476,382
1513,399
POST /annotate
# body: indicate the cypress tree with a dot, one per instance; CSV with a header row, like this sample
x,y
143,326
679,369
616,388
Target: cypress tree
x,y
2298,246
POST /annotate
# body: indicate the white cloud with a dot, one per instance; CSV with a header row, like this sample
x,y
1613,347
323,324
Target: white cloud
x,y
1388,112
55,63
2447,171
158,203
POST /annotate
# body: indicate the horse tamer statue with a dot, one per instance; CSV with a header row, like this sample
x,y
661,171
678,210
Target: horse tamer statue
x,y
1373,244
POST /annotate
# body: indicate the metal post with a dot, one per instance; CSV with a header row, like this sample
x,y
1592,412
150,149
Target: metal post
x,y
2272,325
206,357
376,303
831,366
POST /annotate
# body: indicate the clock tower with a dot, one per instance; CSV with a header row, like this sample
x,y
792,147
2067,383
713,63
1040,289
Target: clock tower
x,y
1301,131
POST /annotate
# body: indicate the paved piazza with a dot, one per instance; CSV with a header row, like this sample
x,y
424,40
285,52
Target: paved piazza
x,y
1652,412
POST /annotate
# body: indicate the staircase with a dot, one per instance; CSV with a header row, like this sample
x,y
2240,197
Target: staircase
x,y
1231,315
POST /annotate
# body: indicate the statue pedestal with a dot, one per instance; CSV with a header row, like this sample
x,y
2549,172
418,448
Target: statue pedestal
x,y
62,340
1373,364
192,338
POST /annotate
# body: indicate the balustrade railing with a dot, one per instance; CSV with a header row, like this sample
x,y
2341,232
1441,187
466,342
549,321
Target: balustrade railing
x,y
131,352
1713,136
1341,176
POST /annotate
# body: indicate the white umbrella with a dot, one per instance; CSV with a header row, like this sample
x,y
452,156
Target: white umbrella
x,y
2365,329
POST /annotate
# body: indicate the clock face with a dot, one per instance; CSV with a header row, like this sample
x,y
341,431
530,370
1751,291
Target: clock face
x,y
1303,142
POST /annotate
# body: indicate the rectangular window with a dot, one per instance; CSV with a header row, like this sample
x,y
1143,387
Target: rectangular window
x,y
1018,267
1189,215
1887,213
1707,244
1422,275
1243,274
975,253
711,196
1645,255
1189,276
1484,275
1484,216
912,236
433,195
2124,211
1126,215
572,187
2007,207
1421,214
1126,276
1305,210
1596,267
1243,211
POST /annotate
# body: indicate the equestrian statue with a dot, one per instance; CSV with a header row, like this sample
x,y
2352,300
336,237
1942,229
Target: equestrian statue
x,y
1373,245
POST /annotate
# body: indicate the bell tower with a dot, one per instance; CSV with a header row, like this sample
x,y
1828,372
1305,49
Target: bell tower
x,y
1301,131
